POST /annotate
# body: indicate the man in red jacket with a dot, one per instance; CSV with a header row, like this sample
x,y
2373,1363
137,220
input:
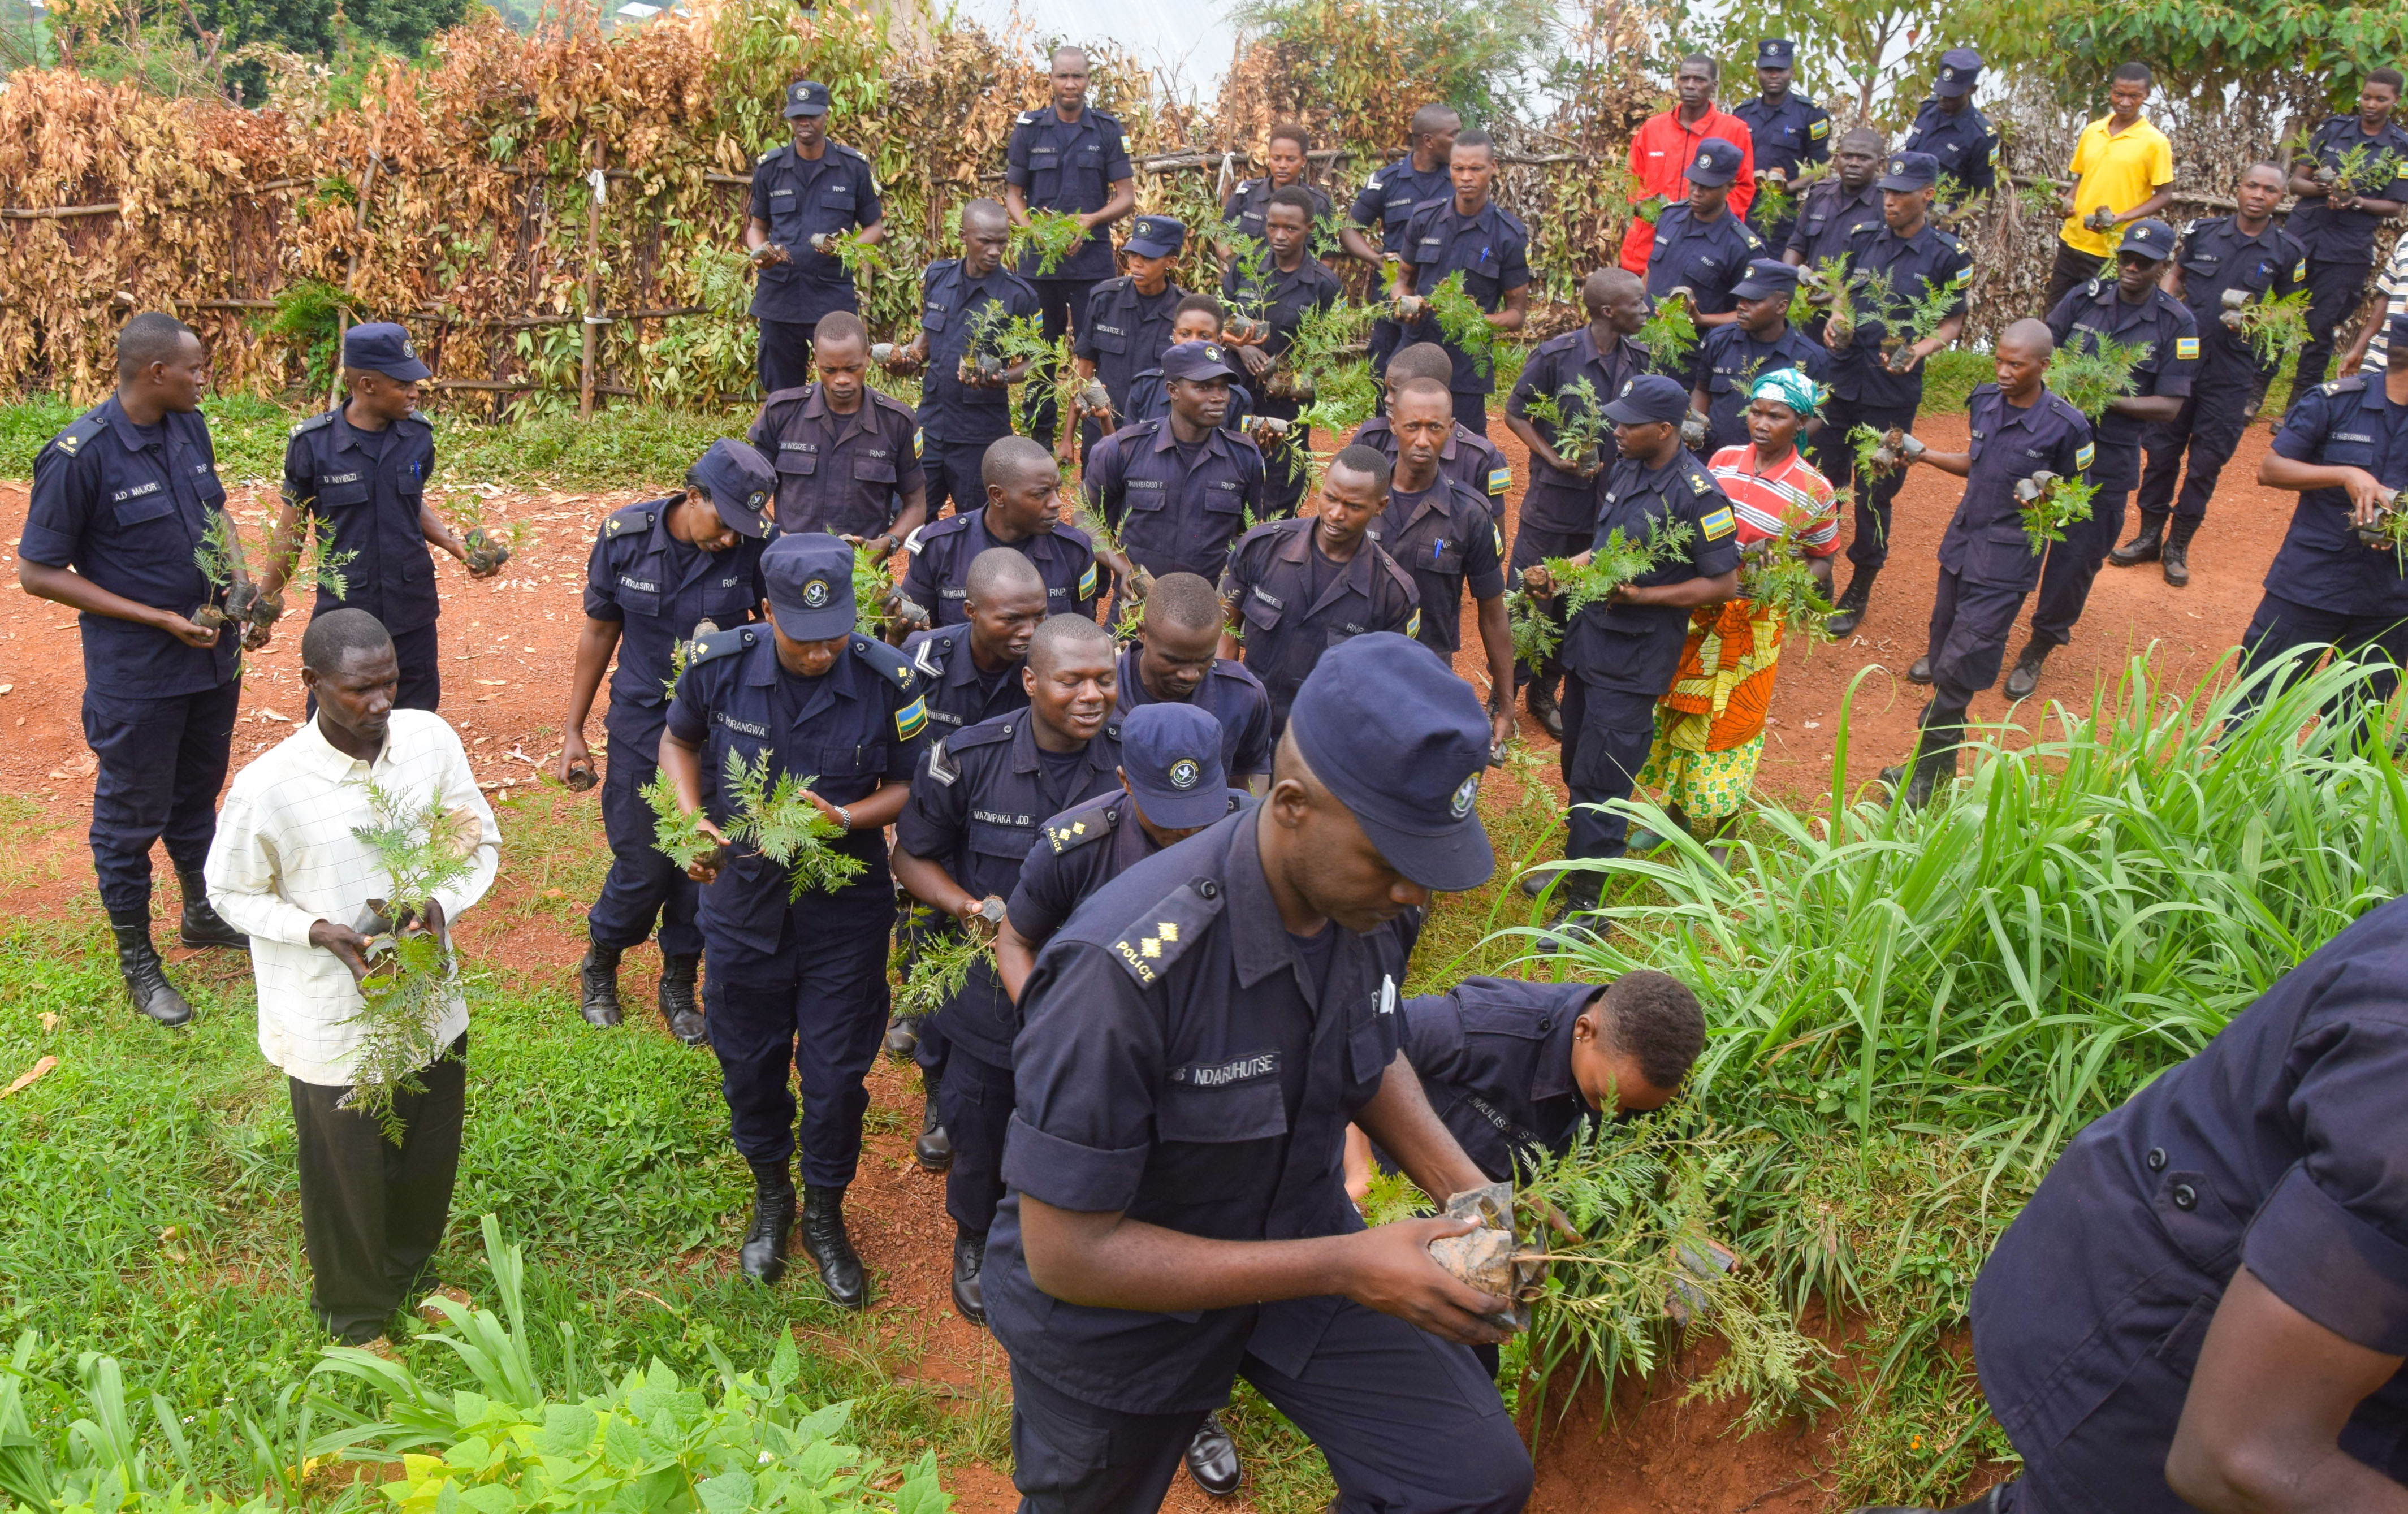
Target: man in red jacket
x,y
1667,144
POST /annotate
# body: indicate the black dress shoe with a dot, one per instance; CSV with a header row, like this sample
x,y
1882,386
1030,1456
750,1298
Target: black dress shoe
x,y
145,977
970,1260
1212,1459
2025,674
830,1249
1920,672
203,926
763,1254
677,1004
598,985
902,1037
933,1149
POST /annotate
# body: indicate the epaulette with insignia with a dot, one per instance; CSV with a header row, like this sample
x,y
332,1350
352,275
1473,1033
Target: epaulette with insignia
x,y
1028,118
628,518
719,643
851,151
1156,938
927,656
885,659
1103,115
1091,822
984,734
771,154
420,417
70,440
323,417
2350,385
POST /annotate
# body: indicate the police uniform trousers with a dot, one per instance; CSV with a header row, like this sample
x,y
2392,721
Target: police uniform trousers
x,y
162,762
2074,564
974,1099
2071,269
643,887
1471,413
421,660
1614,679
817,1005
1835,458
372,1210
2334,288
1409,1423
2204,436
951,469
1970,622
1532,546
785,353
1284,460
2281,626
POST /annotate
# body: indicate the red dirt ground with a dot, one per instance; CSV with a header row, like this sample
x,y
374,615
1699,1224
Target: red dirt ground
x,y
506,648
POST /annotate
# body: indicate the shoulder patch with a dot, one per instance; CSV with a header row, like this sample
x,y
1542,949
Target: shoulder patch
x,y
1819,128
924,657
1088,822
2186,348
1699,482
1089,583
1413,627
1028,118
1499,479
83,429
2081,457
887,661
721,643
911,720
1718,525
941,761
1156,938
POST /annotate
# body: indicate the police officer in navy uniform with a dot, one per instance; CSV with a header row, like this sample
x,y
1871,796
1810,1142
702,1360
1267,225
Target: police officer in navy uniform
x,y
1247,210
1466,232
2336,222
1440,532
1468,458
1296,588
845,454
1953,130
1558,515
964,408
2345,447
1124,325
1760,341
1175,659
1177,491
1388,198
1701,246
2133,310
2019,431
1832,208
1620,654
1022,513
1069,156
2245,251
1918,260
122,498
663,574
797,984
806,196
358,472
1290,284
1197,1037
976,804
1791,133
1198,318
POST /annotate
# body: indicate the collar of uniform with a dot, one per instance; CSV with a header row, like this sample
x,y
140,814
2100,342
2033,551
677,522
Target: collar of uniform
x,y
1553,1076
2025,416
764,669
2124,316
1436,497
127,433
1214,439
322,758
1024,745
963,667
816,409
2372,396
1258,939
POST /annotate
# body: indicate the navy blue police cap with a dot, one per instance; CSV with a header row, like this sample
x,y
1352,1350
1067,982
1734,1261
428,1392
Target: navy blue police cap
x,y
809,579
1960,69
1765,276
1157,236
806,97
1199,360
1910,171
1716,163
382,346
1172,753
1776,52
2147,237
1400,741
739,481
1651,397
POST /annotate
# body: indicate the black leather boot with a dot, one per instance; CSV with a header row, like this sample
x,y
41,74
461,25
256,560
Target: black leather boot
x,y
902,1037
1930,770
598,985
1212,1459
933,1149
764,1256
145,975
970,1260
2025,676
2177,553
678,1006
1539,699
203,926
1850,611
2143,547
831,1250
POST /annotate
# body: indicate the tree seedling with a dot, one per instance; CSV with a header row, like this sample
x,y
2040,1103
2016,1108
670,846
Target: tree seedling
x,y
487,550
1670,333
220,557
1052,235
1574,419
2091,371
2049,503
423,847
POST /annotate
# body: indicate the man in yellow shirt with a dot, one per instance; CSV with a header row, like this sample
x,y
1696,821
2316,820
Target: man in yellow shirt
x,y
2123,171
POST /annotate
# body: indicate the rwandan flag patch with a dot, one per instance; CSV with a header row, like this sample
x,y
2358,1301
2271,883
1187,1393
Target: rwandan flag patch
x,y
1717,525
2082,458
1500,480
911,720
1087,583
2186,348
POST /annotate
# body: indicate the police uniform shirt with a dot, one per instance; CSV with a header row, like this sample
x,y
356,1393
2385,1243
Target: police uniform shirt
x,y
661,592
1557,501
799,199
1282,299
2158,322
1495,1059
1177,508
126,511
1734,359
1985,541
957,691
1709,257
1286,627
1123,332
1181,1066
1468,458
2333,235
1967,148
366,489
1491,250
1069,165
1444,536
1930,260
1638,645
1077,852
1828,213
1387,199
856,727
1790,134
2278,1146
1231,694
840,474
2215,255
950,302
1150,400
1252,199
935,580
2321,564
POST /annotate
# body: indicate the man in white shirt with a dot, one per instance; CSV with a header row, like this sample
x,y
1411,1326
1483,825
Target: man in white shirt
x,y
289,864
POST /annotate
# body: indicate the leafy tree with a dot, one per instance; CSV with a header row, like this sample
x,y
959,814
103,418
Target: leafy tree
x,y
1363,66
2198,47
1850,52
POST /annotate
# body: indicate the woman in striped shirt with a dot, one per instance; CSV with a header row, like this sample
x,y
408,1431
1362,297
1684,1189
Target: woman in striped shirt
x,y
1710,729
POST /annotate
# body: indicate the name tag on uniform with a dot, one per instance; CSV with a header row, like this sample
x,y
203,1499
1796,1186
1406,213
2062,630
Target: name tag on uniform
x,y
324,479
150,488
1267,599
747,727
1223,1074
774,193
641,586
996,817
1145,483
799,446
